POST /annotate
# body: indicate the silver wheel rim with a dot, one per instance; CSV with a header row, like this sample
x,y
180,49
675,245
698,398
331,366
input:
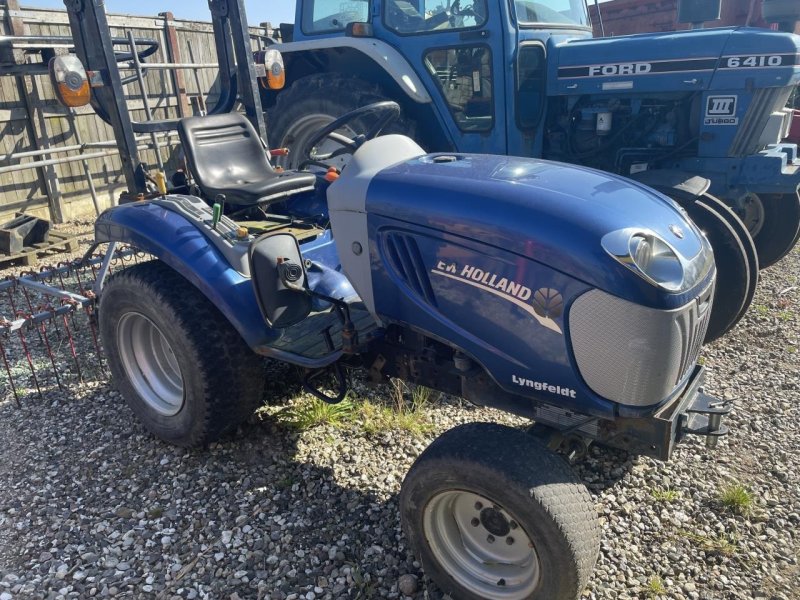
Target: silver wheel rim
x,y
481,546
752,213
302,131
150,364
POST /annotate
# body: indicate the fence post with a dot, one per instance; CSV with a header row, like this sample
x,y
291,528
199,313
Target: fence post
x,y
174,56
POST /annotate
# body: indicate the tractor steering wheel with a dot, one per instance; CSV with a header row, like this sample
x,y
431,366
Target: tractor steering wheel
x,y
387,112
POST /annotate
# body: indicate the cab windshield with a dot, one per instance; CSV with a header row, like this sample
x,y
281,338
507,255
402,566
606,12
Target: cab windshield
x,y
556,12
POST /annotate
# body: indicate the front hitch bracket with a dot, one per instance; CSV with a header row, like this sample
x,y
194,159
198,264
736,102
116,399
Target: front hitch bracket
x,y
704,418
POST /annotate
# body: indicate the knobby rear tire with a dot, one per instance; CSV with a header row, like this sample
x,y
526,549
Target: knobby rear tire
x,y
221,379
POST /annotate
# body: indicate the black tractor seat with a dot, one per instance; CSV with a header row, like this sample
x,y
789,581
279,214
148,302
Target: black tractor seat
x,y
226,156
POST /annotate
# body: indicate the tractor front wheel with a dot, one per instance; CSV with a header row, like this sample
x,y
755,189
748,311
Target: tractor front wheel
x,y
492,513
181,367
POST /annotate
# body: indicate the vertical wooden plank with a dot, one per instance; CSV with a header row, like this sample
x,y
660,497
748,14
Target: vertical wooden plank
x,y
174,55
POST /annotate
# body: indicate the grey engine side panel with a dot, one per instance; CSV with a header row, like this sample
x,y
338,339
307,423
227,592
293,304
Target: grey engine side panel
x,y
347,201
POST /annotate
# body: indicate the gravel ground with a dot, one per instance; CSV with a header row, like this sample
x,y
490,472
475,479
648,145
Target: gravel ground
x,y
92,506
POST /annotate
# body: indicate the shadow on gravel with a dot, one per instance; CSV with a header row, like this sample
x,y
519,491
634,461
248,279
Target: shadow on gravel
x,y
91,502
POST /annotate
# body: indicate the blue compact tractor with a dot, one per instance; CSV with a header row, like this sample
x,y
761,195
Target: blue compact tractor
x,y
698,115
565,295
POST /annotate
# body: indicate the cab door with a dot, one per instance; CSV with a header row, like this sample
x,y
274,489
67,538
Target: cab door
x,y
457,49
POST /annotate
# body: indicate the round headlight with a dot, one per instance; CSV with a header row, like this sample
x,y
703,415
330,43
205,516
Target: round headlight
x,y
649,256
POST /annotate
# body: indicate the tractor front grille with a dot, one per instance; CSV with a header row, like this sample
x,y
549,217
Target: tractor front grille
x,y
765,102
632,354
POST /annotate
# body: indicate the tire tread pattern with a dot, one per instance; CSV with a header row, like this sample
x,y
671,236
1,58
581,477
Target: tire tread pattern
x,y
523,460
233,375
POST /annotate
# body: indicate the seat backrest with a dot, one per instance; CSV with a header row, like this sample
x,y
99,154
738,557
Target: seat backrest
x,y
223,151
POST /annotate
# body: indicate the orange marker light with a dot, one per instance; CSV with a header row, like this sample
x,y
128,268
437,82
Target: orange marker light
x,y
357,29
70,81
273,65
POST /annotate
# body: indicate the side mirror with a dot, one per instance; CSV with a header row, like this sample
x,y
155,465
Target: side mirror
x,y
70,81
279,279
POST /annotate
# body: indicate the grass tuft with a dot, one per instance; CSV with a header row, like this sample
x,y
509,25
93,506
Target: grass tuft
x,y
666,496
655,587
719,545
312,412
737,498
401,413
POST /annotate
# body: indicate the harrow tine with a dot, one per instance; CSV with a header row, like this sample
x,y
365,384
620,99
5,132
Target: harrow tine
x,y
81,287
50,349
5,323
30,359
91,316
68,267
72,346
10,292
28,300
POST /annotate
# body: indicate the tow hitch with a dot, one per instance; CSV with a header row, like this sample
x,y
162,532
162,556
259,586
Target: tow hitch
x,y
704,418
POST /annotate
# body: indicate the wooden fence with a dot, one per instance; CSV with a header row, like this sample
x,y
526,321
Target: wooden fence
x,y
32,120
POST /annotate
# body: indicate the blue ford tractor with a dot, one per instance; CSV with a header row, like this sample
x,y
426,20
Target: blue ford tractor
x,y
698,115
566,295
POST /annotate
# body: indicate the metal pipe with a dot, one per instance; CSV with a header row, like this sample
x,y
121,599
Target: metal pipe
x,y
145,99
164,66
86,170
600,18
75,147
64,160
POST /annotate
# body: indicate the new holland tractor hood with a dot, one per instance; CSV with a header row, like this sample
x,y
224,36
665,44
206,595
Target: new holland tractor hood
x,y
705,59
529,207
512,258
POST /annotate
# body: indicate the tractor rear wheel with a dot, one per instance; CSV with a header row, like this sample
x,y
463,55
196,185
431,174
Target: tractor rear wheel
x,y
181,367
749,246
774,222
313,102
492,513
734,279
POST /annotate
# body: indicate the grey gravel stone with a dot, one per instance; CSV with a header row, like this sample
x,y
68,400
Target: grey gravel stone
x,y
93,506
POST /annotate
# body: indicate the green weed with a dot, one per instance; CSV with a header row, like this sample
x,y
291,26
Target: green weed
x,y
401,413
308,413
655,587
665,495
737,498
714,544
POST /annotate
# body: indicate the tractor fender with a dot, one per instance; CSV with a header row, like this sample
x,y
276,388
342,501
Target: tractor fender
x,y
680,185
386,57
173,239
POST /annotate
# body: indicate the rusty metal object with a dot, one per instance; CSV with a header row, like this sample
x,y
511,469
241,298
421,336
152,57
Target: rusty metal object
x,y
48,327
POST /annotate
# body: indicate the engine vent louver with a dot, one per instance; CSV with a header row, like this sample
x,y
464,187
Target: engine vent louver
x,y
765,102
694,324
406,259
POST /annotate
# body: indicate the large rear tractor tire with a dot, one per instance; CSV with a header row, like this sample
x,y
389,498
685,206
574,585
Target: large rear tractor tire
x,y
492,513
313,102
735,288
774,222
180,365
